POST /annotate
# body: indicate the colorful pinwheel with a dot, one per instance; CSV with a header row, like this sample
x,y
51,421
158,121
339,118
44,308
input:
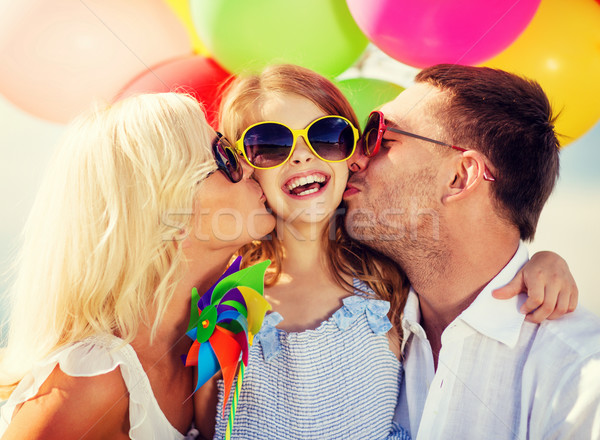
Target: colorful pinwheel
x,y
222,324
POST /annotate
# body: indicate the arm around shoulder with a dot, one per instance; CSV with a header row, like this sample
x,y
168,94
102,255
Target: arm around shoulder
x,y
67,407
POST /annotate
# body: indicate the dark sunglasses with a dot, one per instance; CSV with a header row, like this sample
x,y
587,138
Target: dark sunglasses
x,y
227,159
376,128
270,144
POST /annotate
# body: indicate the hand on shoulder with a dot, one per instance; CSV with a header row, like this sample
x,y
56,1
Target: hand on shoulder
x,y
67,407
549,284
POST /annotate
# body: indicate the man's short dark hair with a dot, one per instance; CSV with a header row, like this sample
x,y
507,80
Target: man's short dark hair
x,y
509,119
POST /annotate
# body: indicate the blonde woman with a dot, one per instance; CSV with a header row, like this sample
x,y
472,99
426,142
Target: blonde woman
x,y
130,217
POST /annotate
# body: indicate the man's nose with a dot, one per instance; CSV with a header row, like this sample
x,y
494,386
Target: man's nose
x,y
358,162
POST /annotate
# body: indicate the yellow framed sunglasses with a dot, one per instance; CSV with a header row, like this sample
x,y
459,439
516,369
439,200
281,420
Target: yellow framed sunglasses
x,y
270,144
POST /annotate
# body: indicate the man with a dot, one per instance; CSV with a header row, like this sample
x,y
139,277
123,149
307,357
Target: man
x,y
467,160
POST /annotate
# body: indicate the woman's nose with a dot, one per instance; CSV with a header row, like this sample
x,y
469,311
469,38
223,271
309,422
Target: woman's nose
x,y
246,167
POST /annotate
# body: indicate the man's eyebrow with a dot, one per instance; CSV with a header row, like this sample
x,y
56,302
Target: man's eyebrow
x,y
393,124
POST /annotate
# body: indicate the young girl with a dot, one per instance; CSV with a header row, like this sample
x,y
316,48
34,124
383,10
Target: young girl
x,y
327,362
113,246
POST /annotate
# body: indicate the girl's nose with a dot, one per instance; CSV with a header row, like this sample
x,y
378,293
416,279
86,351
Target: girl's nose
x,y
302,153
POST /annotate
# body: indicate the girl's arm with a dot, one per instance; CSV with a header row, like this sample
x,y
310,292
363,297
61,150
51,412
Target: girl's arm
x,y
548,282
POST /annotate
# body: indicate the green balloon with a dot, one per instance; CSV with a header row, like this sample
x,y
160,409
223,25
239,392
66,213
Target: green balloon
x,y
367,94
248,35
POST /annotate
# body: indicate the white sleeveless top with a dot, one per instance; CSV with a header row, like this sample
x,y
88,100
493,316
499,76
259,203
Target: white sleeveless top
x,y
92,357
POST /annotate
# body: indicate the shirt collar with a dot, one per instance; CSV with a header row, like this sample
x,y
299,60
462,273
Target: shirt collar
x,y
499,319
411,319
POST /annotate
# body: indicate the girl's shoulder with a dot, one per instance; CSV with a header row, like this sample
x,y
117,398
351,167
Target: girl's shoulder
x,y
362,319
364,304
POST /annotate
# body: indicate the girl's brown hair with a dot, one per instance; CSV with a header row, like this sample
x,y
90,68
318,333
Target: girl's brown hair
x,y
347,258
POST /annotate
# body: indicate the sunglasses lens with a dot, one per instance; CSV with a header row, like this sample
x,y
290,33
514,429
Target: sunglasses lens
x,y
370,135
332,138
227,160
268,145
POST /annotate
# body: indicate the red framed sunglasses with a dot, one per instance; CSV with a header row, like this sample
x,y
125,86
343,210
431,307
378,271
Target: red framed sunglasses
x,y
376,128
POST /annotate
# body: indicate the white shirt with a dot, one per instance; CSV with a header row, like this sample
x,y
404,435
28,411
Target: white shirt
x,y
500,377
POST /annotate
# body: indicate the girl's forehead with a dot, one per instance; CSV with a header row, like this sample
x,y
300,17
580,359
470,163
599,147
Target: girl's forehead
x,y
289,109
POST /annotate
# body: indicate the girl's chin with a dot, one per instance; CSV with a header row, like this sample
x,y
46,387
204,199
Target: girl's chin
x,y
309,217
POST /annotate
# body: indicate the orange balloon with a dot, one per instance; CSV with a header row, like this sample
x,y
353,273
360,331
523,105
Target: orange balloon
x,y
58,56
561,50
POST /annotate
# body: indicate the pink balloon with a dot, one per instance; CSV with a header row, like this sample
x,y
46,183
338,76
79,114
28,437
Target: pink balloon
x,y
58,56
426,32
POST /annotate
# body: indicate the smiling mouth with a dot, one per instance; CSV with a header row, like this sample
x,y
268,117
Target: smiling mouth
x,y
303,186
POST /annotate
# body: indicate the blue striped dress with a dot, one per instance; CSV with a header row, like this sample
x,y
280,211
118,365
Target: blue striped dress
x,y
338,381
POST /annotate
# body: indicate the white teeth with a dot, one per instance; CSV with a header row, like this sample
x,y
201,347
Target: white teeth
x,y
299,181
308,191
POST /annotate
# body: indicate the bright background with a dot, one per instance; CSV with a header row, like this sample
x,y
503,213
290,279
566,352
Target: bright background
x,y
569,224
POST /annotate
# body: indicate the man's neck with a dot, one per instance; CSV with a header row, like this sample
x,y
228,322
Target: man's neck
x,y
468,268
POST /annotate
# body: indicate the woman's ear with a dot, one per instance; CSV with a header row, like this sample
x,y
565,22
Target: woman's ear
x,y
183,239
468,174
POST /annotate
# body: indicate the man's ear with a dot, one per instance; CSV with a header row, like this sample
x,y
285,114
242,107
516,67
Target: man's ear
x,y
467,176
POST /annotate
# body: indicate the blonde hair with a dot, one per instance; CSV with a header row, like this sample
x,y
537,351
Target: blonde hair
x,y
239,108
100,254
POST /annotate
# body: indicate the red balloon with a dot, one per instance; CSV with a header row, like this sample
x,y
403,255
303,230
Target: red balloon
x,y
196,75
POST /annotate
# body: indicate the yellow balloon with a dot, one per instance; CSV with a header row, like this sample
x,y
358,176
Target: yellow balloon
x,y
182,9
560,49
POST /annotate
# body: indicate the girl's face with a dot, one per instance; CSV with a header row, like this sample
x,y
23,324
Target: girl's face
x,y
230,215
305,188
